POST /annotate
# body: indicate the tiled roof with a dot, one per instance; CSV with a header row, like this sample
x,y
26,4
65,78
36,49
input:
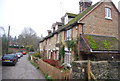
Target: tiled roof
x,y
79,16
101,43
73,21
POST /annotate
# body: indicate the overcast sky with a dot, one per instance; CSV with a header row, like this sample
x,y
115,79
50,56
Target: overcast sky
x,y
37,14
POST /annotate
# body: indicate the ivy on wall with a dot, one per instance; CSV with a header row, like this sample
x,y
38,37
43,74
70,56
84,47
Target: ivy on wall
x,y
73,45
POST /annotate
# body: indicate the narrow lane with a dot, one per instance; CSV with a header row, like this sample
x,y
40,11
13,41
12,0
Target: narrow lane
x,y
22,70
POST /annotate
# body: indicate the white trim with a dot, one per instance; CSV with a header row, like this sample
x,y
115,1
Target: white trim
x,y
91,50
57,48
108,13
66,49
54,49
51,50
108,6
109,18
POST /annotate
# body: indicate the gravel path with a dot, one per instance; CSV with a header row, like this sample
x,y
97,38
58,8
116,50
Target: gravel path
x,y
22,70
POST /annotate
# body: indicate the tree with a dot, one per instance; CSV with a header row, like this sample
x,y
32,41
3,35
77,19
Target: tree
x,y
3,41
29,39
2,31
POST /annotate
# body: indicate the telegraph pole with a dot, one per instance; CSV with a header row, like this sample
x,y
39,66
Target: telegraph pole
x,y
8,38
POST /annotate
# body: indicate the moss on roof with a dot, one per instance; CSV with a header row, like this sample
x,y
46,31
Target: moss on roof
x,y
97,42
74,20
71,14
79,16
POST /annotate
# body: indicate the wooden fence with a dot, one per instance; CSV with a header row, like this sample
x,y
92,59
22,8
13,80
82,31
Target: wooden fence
x,y
53,71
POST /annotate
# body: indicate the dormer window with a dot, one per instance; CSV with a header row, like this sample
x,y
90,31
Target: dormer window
x,y
108,14
66,20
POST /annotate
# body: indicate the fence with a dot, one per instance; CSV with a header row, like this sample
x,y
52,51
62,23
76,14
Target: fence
x,y
53,71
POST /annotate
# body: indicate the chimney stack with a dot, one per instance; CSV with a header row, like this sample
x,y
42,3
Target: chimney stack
x,y
84,4
53,27
49,32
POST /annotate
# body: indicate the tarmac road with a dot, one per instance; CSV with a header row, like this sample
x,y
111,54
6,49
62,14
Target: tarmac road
x,y
22,70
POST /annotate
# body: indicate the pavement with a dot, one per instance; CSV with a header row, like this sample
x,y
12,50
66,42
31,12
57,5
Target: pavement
x,y
22,70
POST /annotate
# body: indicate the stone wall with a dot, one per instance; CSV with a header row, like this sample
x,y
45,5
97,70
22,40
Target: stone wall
x,y
100,69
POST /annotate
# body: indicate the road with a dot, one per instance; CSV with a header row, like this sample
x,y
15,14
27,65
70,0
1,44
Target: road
x,y
22,70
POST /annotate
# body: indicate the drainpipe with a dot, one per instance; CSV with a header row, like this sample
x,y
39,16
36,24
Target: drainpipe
x,y
80,27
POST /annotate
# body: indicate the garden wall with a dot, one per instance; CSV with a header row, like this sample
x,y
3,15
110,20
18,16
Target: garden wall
x,y
100,69
52,71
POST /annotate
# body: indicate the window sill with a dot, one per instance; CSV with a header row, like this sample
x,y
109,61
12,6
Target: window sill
x,y
109,18
67,40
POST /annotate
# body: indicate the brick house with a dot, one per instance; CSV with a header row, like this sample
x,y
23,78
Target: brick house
x,y
95,27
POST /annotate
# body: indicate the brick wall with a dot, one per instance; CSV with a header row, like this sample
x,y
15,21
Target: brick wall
x,y
95,22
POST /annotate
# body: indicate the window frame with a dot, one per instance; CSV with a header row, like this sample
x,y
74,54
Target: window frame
x,y
108,13
69,34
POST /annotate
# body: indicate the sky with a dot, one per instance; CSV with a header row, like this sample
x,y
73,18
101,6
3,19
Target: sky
x,y
37,14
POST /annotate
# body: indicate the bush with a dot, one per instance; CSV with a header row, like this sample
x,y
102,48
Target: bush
x,y
36,55
51,62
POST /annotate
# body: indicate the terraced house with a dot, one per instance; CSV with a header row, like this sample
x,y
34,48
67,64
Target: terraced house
x,y
91,34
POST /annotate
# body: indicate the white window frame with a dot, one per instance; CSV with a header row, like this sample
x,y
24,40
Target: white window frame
x,y
108,13
69,34
66,19
58,38
67,58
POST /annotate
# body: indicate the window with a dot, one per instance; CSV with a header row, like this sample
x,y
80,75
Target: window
x,y
66,19
69,34
108,13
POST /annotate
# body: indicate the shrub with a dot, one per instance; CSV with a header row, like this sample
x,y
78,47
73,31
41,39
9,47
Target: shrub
x,y
51,62
36,55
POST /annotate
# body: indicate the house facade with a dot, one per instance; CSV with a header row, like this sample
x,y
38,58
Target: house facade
x,y
100,19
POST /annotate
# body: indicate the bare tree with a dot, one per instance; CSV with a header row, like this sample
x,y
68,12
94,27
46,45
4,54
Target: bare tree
x,y
2,31
28,38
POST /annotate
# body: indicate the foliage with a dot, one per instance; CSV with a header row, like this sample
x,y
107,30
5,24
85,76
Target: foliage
x,y
49,78
93,43
62,51
33,63
4,44
106,44
54,63
51,62
73,45
36,55
29,58
29,39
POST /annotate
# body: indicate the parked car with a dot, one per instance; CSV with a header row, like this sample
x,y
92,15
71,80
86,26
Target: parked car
x,y
24,53
9,59
19,54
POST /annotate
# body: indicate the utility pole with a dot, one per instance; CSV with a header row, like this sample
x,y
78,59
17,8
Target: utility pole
x,y
8,38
